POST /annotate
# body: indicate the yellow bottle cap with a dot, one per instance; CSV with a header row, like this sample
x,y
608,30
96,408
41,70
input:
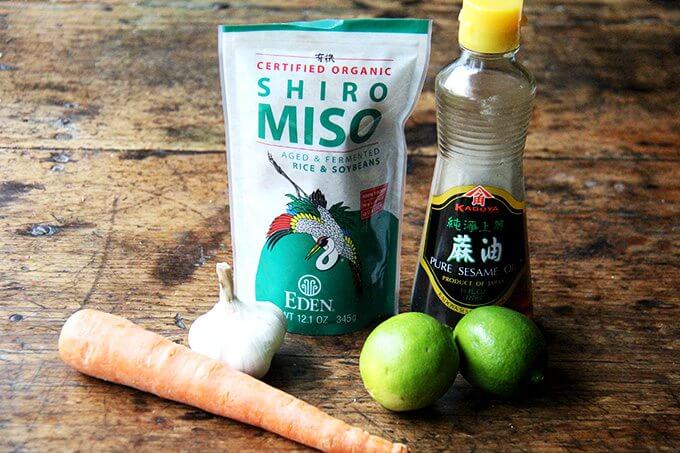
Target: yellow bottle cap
x,y
490,26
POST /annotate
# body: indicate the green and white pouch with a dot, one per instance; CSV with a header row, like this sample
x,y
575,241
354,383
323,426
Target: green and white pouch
x,y
314,117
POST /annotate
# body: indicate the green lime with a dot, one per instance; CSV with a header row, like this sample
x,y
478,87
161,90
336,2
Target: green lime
x,y
501,351
408,361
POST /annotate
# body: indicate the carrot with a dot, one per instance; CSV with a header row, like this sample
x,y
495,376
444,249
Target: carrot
x,y
114,349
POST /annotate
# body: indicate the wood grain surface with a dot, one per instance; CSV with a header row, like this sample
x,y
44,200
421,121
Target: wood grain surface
x,y
113,196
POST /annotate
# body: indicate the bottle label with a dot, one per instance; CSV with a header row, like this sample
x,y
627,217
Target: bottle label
x,y
474,249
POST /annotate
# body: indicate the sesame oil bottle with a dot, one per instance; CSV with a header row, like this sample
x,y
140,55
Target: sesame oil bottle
x,y
474,247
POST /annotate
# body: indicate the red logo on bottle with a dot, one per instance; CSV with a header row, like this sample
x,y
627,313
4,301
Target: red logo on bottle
x,y
479,195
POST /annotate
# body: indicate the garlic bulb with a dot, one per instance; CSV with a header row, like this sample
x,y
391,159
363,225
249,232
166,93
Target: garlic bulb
x,y
244,335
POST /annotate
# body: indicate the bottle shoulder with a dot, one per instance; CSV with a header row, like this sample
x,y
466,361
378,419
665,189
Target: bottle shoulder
x,y
526,74
482,78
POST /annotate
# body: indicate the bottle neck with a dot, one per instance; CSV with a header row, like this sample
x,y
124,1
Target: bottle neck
x,y
472,58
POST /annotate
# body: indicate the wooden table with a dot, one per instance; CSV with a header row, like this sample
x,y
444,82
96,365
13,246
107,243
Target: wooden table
x,y
113,193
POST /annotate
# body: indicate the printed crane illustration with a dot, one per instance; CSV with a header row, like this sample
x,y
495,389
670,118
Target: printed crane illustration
x,y
329,227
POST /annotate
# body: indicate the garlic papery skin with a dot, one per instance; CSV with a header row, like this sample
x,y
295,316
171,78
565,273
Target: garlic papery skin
x,y
244,335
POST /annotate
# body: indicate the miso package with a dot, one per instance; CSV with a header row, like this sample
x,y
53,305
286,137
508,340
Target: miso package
x,y
314,117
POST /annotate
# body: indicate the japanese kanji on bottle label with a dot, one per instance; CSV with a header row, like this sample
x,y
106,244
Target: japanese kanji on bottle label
x,y
474,250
